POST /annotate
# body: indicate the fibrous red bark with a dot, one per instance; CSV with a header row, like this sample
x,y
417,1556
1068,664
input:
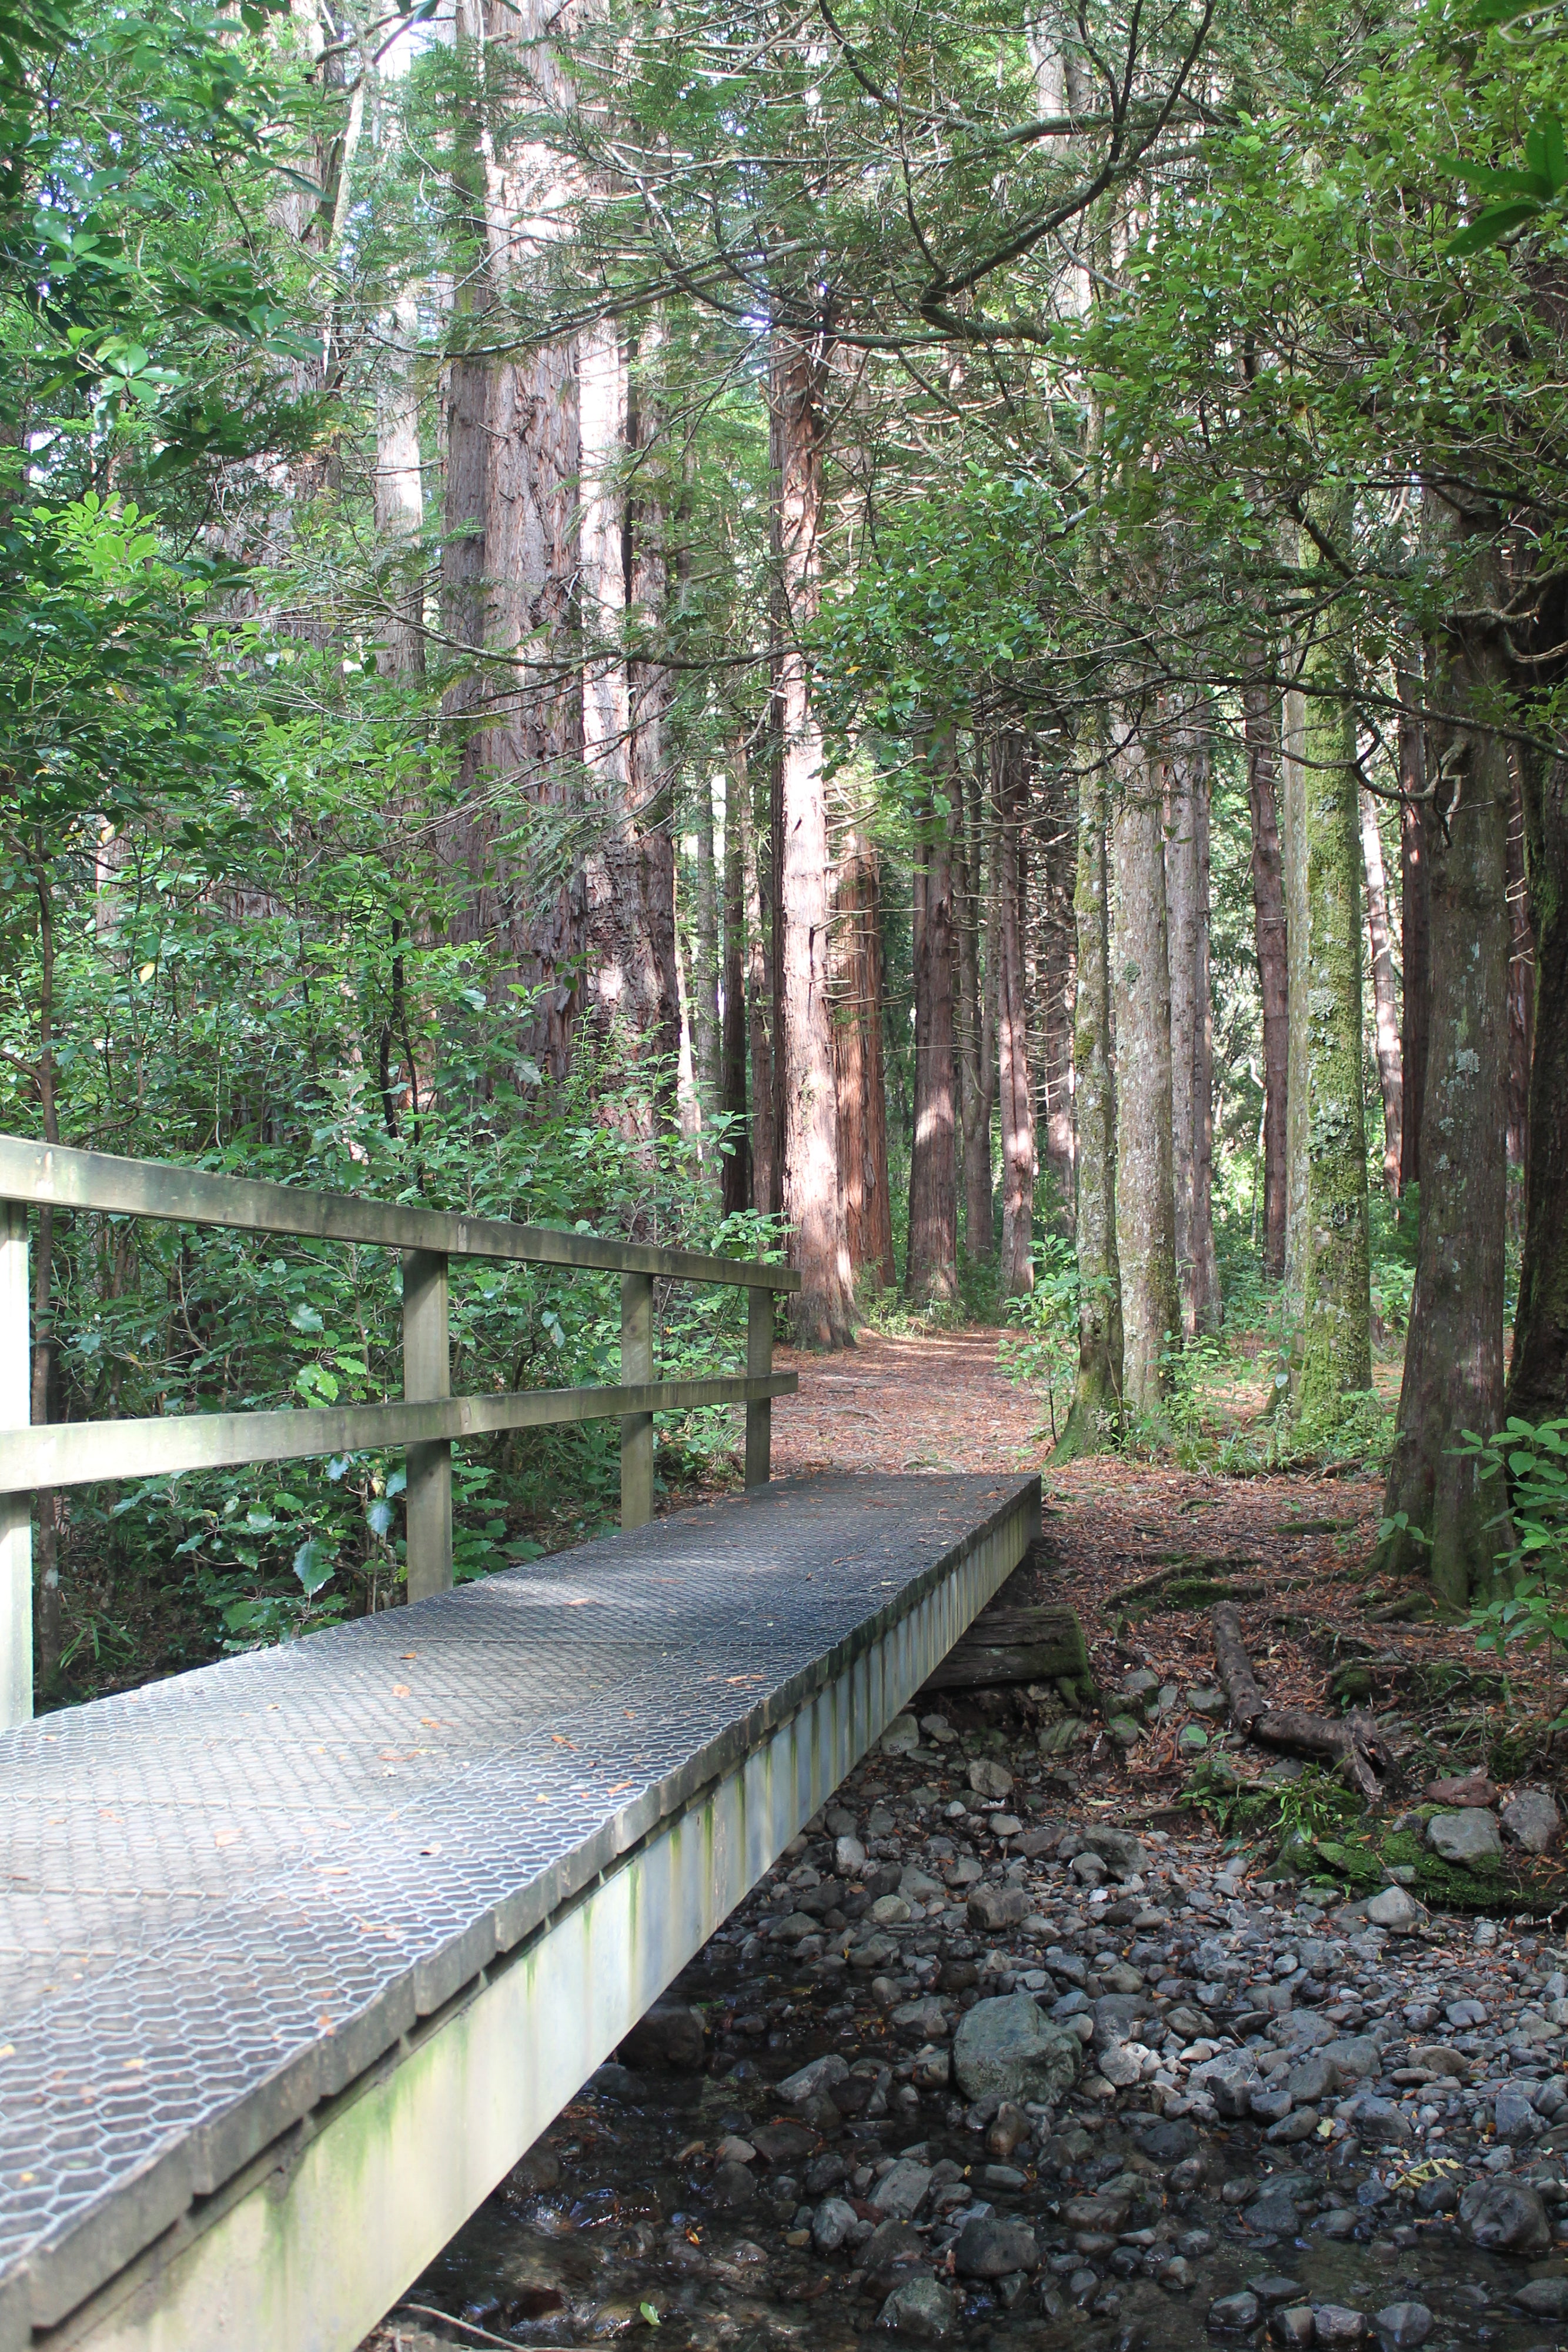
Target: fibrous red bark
x,y
1261,707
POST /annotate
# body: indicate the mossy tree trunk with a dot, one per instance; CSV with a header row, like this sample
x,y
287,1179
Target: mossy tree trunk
x,y
1453,1358
1140,971
1260,704
1335,1373
1294,811
1538,1376
1097,1394
1187,848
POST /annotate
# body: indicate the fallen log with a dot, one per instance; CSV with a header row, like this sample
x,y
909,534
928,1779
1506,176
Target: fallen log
x,y
1354,1743
1015,1645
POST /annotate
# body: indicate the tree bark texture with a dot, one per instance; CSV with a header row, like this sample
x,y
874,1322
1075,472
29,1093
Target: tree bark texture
x,y
766,1178
704,957
931,1273
1521,1002
977,1015
1538,1373
1293,811
1054,866
1010,784
1453,1357
630,978
1385,1012
858,1062
399,500
1261,708
1097,1393
1189,767
1415,927
1140,971
1336,1333
822,1310
737,1165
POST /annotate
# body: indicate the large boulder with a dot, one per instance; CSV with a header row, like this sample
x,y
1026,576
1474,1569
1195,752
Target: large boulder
x,y
1468,1837
1504,2217
1007,2047
1533,1821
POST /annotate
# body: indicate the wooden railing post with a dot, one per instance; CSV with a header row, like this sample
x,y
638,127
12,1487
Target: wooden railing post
x,y
759,1365
636,1428
427,1372
15,1510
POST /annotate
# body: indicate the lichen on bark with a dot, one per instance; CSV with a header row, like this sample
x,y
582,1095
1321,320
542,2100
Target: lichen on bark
x,y
1095,1416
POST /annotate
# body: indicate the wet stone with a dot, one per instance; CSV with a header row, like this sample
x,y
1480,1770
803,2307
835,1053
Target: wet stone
x,y
1335,2323
1504,2217
992,2248
918,2308
1233,2315
1402,2326
1465,1837
1292,2327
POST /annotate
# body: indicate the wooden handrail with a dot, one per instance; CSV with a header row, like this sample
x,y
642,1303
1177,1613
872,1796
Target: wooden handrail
x,y
428,1418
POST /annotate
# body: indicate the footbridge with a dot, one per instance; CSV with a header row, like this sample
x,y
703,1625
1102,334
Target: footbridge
x,y
301,1952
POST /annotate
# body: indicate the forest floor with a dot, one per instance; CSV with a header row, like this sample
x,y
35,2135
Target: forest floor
x,y
1304,2102
1292,1549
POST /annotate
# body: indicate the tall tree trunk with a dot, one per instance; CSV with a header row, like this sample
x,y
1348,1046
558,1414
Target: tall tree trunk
x,y
858,1060
1261,707
932,1271
631,984
1336,1338
1415,927
977,1076
1453,1358
822,1311
1538,1372
1293,809
1386,1014
1190,769
1145,1188
399,498
1058,974
756,861
1011,779
1094,1419
705,957
1520,1004
737,1167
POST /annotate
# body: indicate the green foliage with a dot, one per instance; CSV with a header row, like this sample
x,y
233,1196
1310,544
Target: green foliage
x,y
1526,1467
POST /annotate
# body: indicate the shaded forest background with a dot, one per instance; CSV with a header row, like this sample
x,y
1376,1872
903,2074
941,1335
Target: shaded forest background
x,y
931,639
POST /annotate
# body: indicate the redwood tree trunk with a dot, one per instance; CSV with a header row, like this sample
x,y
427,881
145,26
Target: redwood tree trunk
x,y
1520,1004
1010,772
1145,1189
1415,928
1453,1358
1097,1394
976,1069
1058,986
1260,704
1538,1373
1192,1021
736,1166
858,1060
822,1310
932,1271
757,862
1390,1066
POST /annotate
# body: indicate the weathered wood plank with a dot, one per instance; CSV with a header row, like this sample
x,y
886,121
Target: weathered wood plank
x,y
78,1453
42,1174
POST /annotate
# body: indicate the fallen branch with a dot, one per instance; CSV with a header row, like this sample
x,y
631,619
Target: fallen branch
x,y
1354,1743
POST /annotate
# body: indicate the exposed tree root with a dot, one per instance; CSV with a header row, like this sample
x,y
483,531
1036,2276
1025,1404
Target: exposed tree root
x,y
1354,1743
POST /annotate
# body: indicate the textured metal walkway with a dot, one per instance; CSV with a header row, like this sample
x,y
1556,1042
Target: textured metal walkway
x,y
253,1917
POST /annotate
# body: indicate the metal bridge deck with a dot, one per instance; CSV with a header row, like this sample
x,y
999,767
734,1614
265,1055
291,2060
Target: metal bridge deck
x,y
225,1896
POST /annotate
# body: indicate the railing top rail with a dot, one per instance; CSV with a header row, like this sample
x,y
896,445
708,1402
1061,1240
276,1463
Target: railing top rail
x,y
48,1175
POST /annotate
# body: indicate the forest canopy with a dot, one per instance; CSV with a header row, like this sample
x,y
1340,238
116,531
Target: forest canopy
x,y
934,639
